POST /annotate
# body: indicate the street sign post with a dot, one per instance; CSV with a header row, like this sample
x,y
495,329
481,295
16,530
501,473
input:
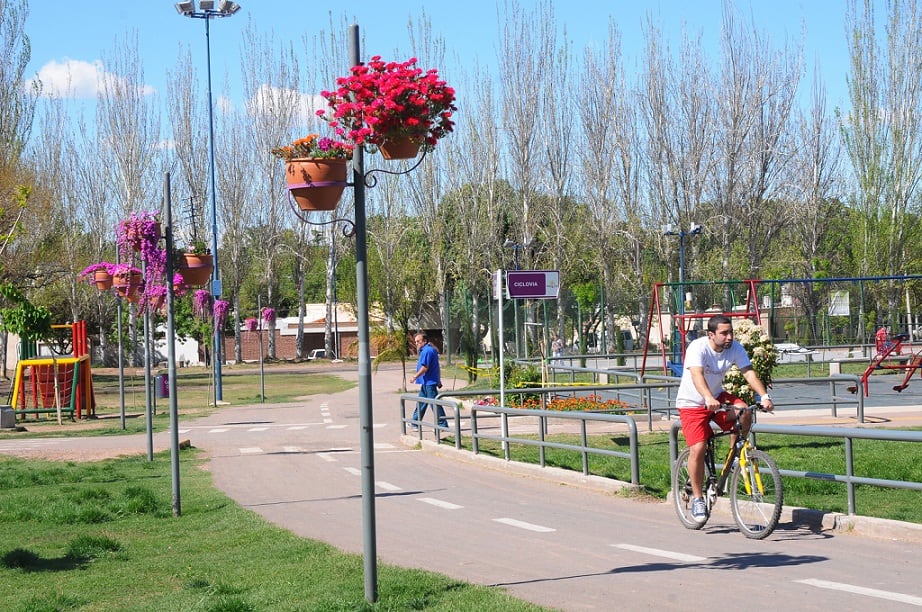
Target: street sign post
x,y
533,284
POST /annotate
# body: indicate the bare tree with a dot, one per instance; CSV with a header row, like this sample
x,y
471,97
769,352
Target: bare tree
x,y
270,84
472,208
678,120
17,98
236,195
527,45
187,109
754,97
611,171
330,59
815,206
882,135
127,123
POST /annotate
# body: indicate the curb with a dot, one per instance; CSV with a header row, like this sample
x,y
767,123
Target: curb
x,y
815,520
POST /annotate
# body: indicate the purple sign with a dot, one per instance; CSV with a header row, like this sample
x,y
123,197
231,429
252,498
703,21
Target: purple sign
x,y
533,284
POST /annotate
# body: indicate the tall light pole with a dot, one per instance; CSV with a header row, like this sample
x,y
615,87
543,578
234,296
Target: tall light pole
x,y
516,247
669,230
207,11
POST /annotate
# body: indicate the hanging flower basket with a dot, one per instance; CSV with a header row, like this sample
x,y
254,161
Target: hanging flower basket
x,y
196,269
128,285
103,280
380,100
316,184
400,147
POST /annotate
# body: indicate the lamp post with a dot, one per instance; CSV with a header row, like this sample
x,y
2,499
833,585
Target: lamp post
x,y
207,11
669,230
516,247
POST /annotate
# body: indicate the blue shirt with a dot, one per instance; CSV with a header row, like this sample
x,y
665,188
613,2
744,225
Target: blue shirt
x,y
429,357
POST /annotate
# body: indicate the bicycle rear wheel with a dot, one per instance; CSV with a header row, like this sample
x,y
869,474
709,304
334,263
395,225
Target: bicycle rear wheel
x,y
682,492
756,495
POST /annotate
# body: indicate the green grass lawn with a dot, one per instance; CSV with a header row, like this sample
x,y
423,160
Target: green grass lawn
x,y
101,536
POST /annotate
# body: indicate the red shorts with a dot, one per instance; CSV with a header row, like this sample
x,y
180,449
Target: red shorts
x,y
696,422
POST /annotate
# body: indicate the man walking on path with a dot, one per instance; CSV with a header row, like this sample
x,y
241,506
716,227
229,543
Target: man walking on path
x,y
429,377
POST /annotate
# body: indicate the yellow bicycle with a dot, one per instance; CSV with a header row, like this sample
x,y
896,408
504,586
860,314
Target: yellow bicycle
x,y
756,494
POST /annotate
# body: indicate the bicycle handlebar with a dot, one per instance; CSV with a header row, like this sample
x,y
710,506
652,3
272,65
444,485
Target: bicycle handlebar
x,y
751,408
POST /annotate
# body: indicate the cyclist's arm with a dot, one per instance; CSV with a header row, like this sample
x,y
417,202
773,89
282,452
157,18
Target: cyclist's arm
x,y
753,379
701,386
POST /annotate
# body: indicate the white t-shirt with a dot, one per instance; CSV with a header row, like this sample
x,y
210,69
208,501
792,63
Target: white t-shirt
x,y
715,366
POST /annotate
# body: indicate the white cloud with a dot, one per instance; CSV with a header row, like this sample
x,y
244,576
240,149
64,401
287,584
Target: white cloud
x,y
75,79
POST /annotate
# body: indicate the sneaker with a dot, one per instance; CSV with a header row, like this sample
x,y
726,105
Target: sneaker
x,y
699,510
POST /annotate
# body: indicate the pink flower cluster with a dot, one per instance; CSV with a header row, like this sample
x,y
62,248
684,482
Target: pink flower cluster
x,y
387,99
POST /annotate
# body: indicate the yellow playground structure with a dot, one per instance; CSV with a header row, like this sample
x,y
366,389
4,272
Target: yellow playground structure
x,y
60,384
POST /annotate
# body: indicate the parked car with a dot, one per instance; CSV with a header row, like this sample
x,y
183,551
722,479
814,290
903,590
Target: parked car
x,y
317,354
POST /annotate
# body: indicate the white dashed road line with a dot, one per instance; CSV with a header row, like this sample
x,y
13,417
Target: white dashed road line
x,y
850,588
383,484
524,525
353,471
438,503
251,450
327,457
656,552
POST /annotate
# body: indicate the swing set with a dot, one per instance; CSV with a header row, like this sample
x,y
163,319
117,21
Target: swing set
x,y
673,324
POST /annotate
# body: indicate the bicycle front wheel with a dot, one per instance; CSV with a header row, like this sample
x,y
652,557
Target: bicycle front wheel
x,y
682,492
756,495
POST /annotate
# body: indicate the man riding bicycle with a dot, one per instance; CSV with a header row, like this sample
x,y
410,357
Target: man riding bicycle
x,y
707,360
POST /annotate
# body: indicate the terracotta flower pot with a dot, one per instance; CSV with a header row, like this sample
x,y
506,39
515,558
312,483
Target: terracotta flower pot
x,y
196,269
128,285
400,147
103,280
316,184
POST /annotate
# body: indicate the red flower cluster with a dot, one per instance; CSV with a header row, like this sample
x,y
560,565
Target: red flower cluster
x,y
588,403
382,100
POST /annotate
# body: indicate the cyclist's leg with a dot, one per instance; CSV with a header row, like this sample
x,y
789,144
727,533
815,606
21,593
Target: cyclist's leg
x,y
725,420
696,468
697,429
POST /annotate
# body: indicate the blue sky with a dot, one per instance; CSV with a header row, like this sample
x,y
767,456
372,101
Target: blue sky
x,y
83,31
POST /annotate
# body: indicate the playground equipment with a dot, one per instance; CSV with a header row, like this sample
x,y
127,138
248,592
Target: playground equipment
x,y
889,356
55,383
685,326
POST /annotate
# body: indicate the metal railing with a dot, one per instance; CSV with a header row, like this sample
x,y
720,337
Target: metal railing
x,y
650,402
420,424
506,438
846,433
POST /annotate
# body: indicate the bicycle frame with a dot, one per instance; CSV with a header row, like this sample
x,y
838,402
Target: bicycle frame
x,y
738,450
748,477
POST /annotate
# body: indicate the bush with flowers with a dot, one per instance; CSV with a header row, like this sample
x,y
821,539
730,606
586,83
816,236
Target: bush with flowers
x,y
313,146
383,100
585,403
762,353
